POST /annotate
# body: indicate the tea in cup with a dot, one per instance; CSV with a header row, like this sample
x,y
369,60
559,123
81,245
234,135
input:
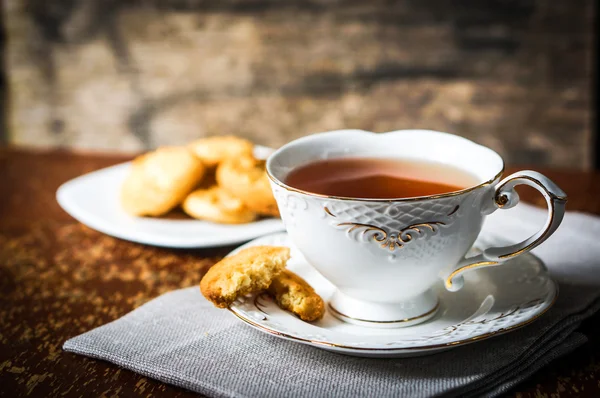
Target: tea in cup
x,y
385,217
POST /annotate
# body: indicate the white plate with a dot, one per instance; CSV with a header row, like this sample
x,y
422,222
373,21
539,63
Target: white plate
x,y
93,200
493,301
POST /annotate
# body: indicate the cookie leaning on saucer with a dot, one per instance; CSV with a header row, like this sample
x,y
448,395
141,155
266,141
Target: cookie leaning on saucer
x,y
246,178
217,205
294,294
216,149
160,180
249,271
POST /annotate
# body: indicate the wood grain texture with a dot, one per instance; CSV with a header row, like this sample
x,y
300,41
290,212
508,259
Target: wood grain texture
x,y
59,278
133,74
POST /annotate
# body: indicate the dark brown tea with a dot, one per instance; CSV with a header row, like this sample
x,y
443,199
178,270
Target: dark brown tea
x,y
374,178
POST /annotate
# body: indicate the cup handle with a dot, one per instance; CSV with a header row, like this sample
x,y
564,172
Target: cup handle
x,y
506,197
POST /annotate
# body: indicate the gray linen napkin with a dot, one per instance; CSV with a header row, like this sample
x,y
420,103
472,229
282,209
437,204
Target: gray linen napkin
x,y
181,339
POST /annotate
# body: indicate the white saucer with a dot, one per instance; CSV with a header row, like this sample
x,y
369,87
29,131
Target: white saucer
x,y
93,200
493,301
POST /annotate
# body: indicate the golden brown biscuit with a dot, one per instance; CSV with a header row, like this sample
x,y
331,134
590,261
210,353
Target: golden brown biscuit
x,y
294,294
217,205
251,270
216,149
246,178
160,180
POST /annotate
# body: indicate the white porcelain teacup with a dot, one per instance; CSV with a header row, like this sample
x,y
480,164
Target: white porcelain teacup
x,y
385,255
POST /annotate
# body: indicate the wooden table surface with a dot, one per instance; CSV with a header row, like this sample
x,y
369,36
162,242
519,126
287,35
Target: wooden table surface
x,y
59,278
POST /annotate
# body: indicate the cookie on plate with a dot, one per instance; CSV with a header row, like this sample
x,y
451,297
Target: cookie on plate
x,y
294,294
160,180
217,205
216,149
248,271
246,178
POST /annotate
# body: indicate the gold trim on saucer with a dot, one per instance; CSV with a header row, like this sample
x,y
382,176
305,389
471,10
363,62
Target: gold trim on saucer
x,y
414,318
424,347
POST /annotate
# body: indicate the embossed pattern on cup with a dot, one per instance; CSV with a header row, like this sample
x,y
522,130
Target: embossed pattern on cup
x,y
385,255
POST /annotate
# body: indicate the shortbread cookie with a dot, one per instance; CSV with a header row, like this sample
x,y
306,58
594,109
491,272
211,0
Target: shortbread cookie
x,y
216,149
246,178
294,294
249,271
217,205
160,180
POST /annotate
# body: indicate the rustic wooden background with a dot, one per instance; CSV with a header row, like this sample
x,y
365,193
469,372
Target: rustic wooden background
x,y
129,75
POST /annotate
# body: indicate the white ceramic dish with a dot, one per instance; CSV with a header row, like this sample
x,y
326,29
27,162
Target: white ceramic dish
x,y
386,255
93,200
495,301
